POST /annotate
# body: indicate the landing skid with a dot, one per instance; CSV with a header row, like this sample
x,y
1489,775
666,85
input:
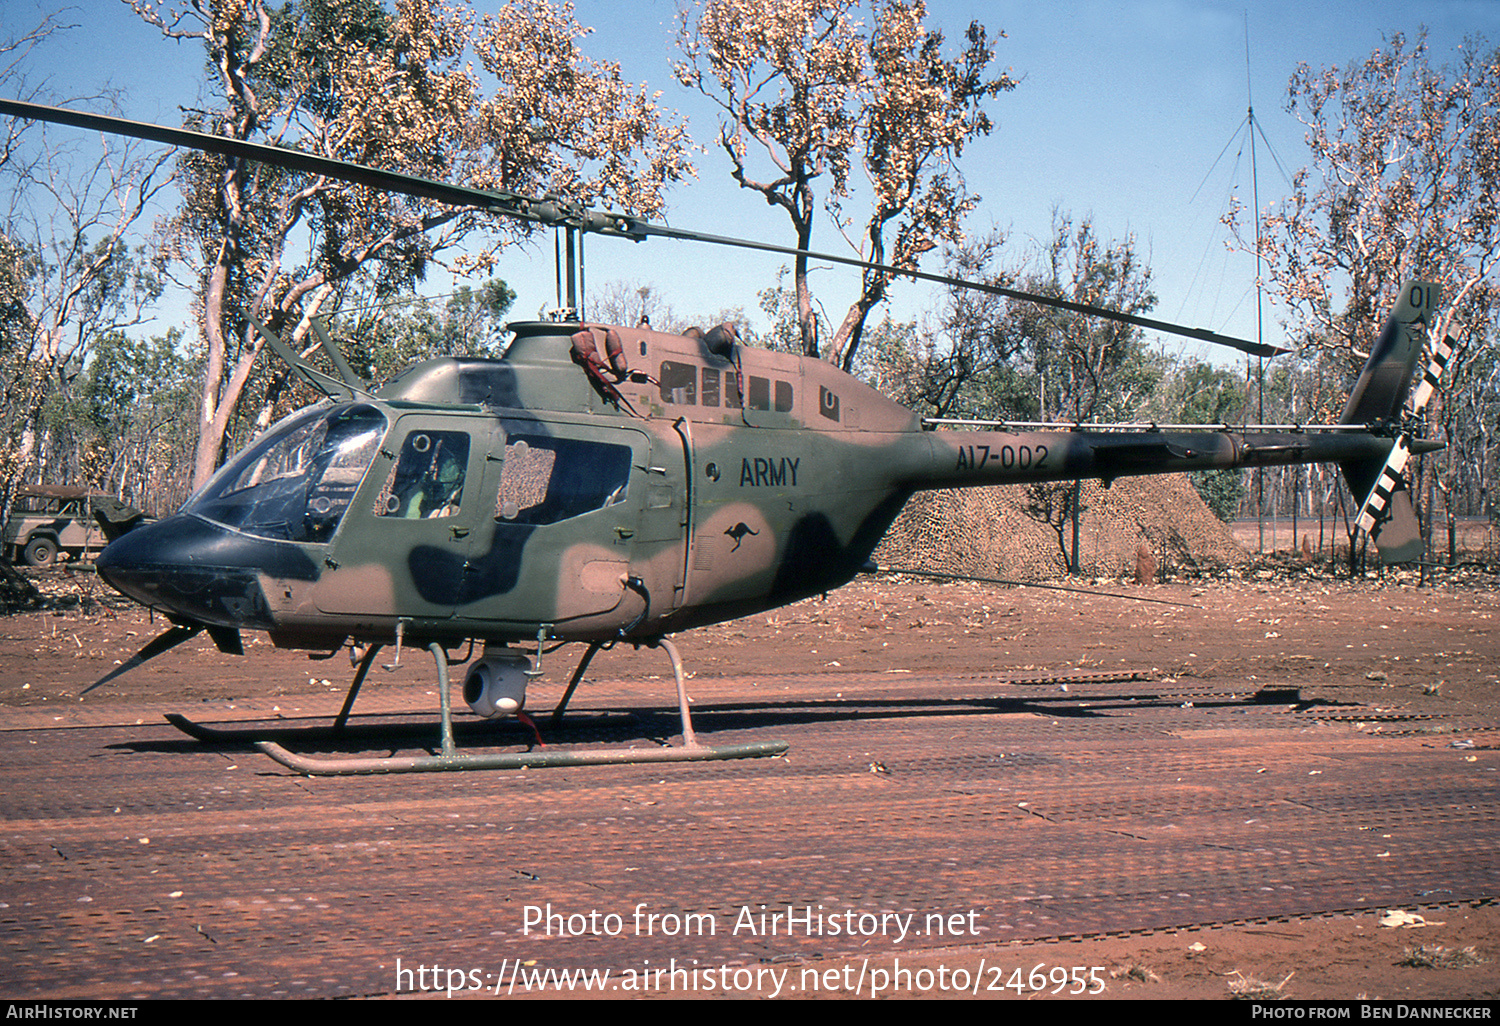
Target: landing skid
x,y
325,767
450,759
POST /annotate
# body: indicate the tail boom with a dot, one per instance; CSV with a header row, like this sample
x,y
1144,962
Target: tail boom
x,y
966,459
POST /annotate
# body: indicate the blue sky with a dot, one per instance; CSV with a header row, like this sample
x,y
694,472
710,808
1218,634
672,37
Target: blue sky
x,y
1123,114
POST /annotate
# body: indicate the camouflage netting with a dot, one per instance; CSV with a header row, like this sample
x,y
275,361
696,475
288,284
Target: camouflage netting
x,y
982,532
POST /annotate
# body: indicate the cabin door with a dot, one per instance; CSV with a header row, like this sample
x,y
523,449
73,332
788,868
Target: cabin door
x,y
404,544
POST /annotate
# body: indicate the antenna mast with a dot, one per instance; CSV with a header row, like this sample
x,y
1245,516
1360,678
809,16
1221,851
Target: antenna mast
x,y
1260,363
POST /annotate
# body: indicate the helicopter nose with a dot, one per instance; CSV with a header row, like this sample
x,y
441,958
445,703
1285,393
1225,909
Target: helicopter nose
x,y
200,570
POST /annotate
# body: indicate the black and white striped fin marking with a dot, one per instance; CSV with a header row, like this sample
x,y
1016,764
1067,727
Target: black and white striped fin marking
x,y
1376,507
1442,352
1385,485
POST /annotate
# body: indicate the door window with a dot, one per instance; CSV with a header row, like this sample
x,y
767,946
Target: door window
x,y
547,480
427,481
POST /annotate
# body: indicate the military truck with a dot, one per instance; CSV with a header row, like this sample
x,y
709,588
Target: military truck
x,y
47,521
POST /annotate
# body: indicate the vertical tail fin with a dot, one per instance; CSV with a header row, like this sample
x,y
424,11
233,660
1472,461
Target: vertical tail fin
x,y
1378,397
1381,390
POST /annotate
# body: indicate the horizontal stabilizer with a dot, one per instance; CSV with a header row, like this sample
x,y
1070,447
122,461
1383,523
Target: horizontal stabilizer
x,y
1128,456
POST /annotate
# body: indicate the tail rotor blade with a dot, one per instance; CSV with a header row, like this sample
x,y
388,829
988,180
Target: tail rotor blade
x,y
1387,483
1381,396
1442,352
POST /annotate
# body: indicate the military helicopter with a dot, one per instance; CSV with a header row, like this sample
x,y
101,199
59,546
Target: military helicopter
x,y
602,485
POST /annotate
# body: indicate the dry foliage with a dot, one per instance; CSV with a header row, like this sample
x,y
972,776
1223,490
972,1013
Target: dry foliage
x,y
1404,183
1435,956
398,90
812,93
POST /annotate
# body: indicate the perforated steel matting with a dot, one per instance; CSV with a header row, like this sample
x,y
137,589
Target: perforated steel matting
x,y
137,863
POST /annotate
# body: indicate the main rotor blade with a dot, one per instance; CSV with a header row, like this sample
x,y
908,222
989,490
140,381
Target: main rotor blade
x,y
546,211
561,212
1202,334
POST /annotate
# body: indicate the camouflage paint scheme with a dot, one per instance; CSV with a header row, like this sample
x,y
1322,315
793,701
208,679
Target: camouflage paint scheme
x,y
750,478
533,499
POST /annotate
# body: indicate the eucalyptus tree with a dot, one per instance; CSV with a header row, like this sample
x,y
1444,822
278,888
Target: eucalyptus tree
x,y
813,98
504,101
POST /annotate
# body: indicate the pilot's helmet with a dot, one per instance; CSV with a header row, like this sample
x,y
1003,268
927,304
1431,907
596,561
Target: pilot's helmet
x,y
449,469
